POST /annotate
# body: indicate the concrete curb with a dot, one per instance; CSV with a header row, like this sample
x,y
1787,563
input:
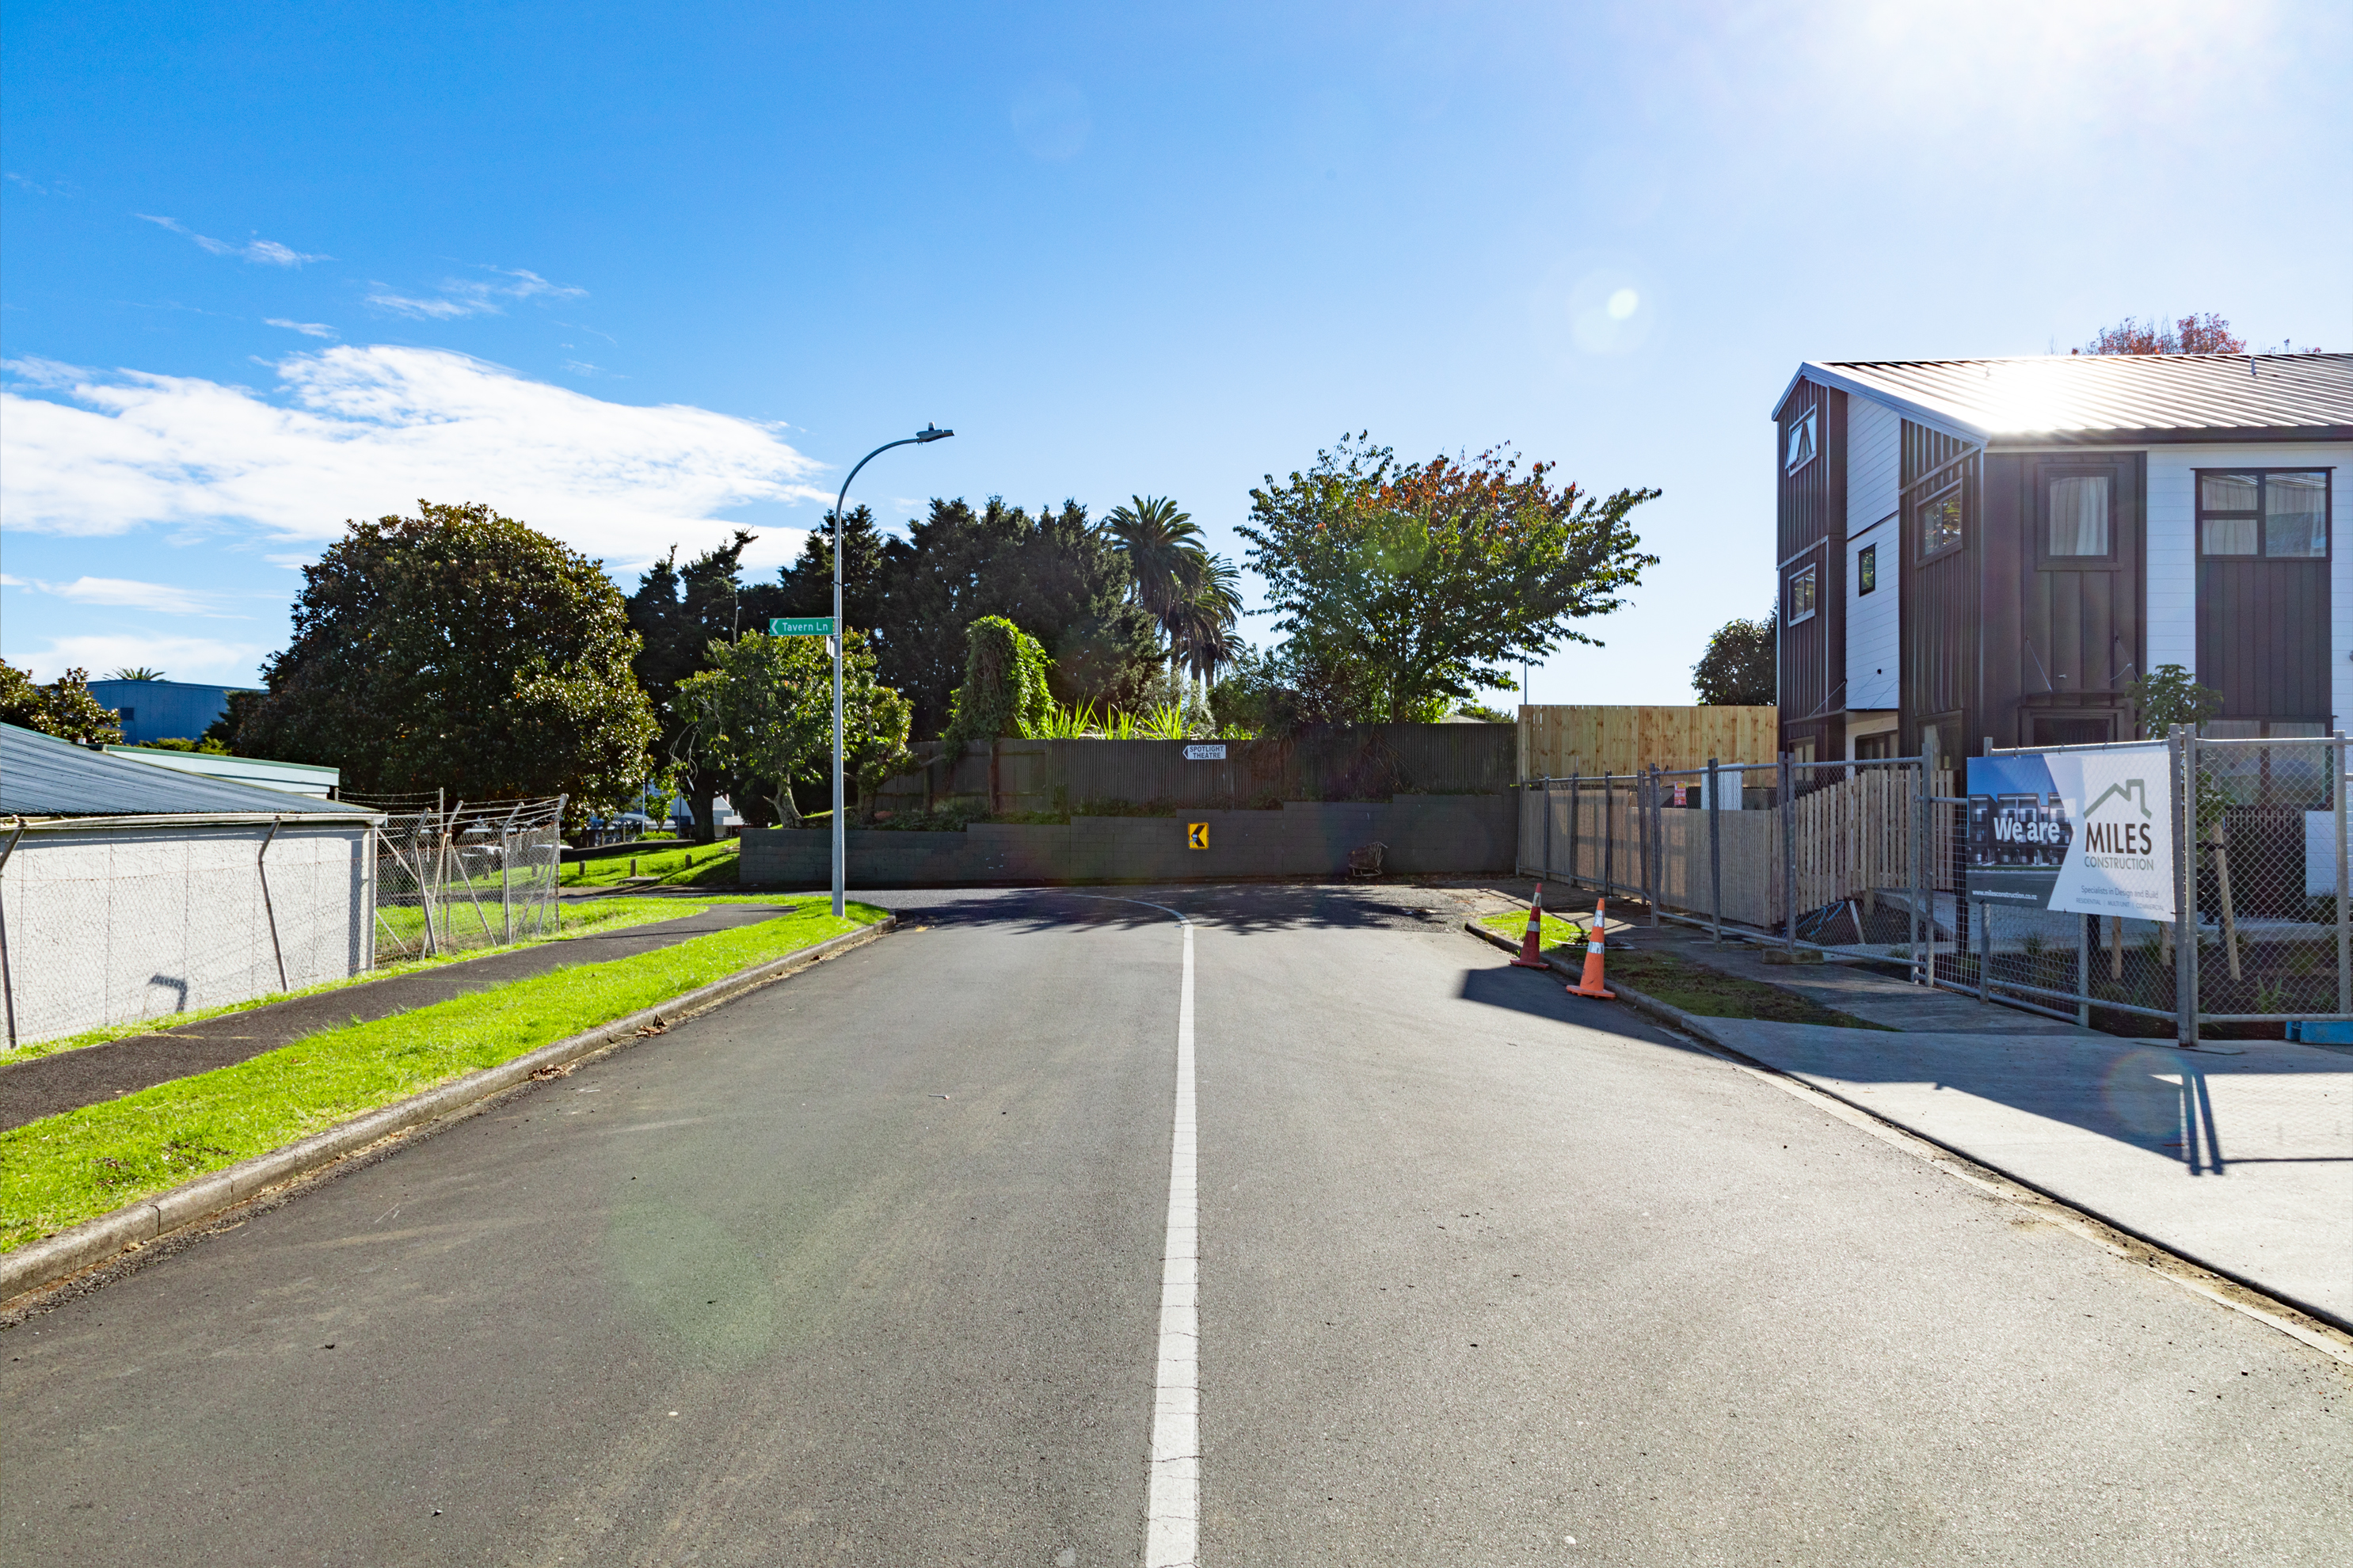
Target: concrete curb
x,y
43,1263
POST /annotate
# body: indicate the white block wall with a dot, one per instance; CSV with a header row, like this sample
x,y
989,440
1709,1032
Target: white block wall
x,y
1874,463
114,925
2173,549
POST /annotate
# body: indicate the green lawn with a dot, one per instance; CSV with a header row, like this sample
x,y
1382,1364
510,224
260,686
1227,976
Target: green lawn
x,y
692,865
62,1170
580,918
1693,987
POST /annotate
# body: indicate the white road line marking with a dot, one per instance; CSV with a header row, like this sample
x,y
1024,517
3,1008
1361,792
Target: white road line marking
x,y
1172,1514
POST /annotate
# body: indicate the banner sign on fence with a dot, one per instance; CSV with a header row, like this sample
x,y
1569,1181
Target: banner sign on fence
x,y
1205,753
2074,832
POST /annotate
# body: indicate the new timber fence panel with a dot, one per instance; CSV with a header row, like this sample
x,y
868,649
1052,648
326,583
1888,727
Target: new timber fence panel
x,y
1556,741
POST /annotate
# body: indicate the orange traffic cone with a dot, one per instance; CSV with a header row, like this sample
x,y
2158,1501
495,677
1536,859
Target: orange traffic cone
x,y
1532,945
1591,985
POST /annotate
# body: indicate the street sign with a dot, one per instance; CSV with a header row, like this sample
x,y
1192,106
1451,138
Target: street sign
x,y
1197,836
801,626
1205,753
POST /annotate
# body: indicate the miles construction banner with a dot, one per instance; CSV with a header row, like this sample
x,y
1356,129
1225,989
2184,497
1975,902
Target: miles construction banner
x,y
2072,832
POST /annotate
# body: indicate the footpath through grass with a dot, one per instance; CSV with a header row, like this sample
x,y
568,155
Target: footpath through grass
x,y
686,866
62,1170
1693,987
584,918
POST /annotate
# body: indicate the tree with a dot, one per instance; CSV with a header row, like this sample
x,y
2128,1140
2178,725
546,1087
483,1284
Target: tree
x,y
1740,667
63,708
2169,695
678,614
2192,334
1431,578
1056,577
761,716
135,672
805,587
1004,691
462,650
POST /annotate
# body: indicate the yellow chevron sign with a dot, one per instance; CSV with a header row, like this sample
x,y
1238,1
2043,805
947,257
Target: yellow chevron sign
x,y
1197,836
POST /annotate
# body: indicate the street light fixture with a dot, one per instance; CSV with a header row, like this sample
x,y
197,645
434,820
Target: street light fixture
x,y
928,434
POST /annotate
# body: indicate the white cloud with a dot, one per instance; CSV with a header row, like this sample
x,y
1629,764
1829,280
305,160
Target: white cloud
x,y
131,594
203,659
472,296
8,581
266,251
363,432
308,329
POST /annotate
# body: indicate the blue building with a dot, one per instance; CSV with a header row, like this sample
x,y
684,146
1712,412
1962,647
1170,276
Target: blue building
x,y
162,710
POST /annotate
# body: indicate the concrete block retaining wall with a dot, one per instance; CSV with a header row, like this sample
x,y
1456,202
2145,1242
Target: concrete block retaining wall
x,y
1425,835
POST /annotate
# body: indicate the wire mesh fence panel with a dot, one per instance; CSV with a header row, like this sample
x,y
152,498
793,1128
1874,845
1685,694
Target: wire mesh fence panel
x,y
468,877
2263,871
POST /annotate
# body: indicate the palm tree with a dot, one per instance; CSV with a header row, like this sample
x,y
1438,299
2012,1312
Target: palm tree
x,y
1201,623
1163,547
136,672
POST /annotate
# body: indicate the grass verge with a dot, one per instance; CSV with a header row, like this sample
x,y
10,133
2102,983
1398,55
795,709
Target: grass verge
x,y
1693,987
584,918
62,1170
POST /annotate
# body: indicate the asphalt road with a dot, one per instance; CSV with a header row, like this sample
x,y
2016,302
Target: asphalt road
x,y
866,1268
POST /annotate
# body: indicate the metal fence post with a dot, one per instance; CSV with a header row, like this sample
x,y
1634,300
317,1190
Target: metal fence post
x,y
2082,972
1576,823
1714,856
1608,835
1544,855
1923,965
269,909
1654,845
2185,885
1985,955
2344,899
1789,857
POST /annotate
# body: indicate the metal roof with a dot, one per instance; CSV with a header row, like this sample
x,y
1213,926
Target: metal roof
x,y
2087,399
41,775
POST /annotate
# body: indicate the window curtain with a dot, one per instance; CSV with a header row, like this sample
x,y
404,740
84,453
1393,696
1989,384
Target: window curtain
x,y
2296,515
2079,514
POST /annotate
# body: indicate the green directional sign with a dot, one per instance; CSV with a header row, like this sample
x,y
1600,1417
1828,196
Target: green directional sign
x,y
801,626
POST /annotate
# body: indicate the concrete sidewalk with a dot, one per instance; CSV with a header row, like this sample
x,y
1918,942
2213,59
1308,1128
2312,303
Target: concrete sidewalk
x,y
2237,1155
2241,1162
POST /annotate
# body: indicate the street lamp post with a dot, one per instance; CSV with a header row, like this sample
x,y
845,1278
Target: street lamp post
x,y
841,805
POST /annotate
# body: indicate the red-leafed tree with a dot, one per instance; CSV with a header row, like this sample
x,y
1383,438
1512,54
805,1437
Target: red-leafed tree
x,y
2192,334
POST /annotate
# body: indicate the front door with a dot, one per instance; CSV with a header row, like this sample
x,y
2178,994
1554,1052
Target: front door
x,y
2263,598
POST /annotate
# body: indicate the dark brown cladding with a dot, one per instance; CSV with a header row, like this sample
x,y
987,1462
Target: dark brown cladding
x,y
1942,511
1812,514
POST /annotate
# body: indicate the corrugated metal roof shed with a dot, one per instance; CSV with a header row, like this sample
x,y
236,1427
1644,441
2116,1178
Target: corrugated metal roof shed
x,y
2079,398
41,775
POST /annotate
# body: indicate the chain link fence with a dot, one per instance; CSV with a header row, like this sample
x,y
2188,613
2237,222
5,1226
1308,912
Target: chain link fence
x,y
1946,876
450,878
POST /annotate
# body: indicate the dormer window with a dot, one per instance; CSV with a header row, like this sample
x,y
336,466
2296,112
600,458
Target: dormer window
x,y
1804,434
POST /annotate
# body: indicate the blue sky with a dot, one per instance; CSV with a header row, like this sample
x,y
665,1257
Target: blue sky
x,y
635,274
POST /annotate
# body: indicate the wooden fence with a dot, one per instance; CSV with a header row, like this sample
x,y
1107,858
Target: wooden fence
x,y
1556,742
1854,841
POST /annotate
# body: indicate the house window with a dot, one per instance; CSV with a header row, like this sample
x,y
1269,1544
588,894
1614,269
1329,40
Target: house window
x,y
1866,569
1940,520
1804,439
2078,518
2282,514
1802,587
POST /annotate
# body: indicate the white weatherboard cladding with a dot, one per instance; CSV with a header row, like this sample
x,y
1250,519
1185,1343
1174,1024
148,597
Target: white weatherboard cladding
x,y
1874,435
2173,549
112,925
